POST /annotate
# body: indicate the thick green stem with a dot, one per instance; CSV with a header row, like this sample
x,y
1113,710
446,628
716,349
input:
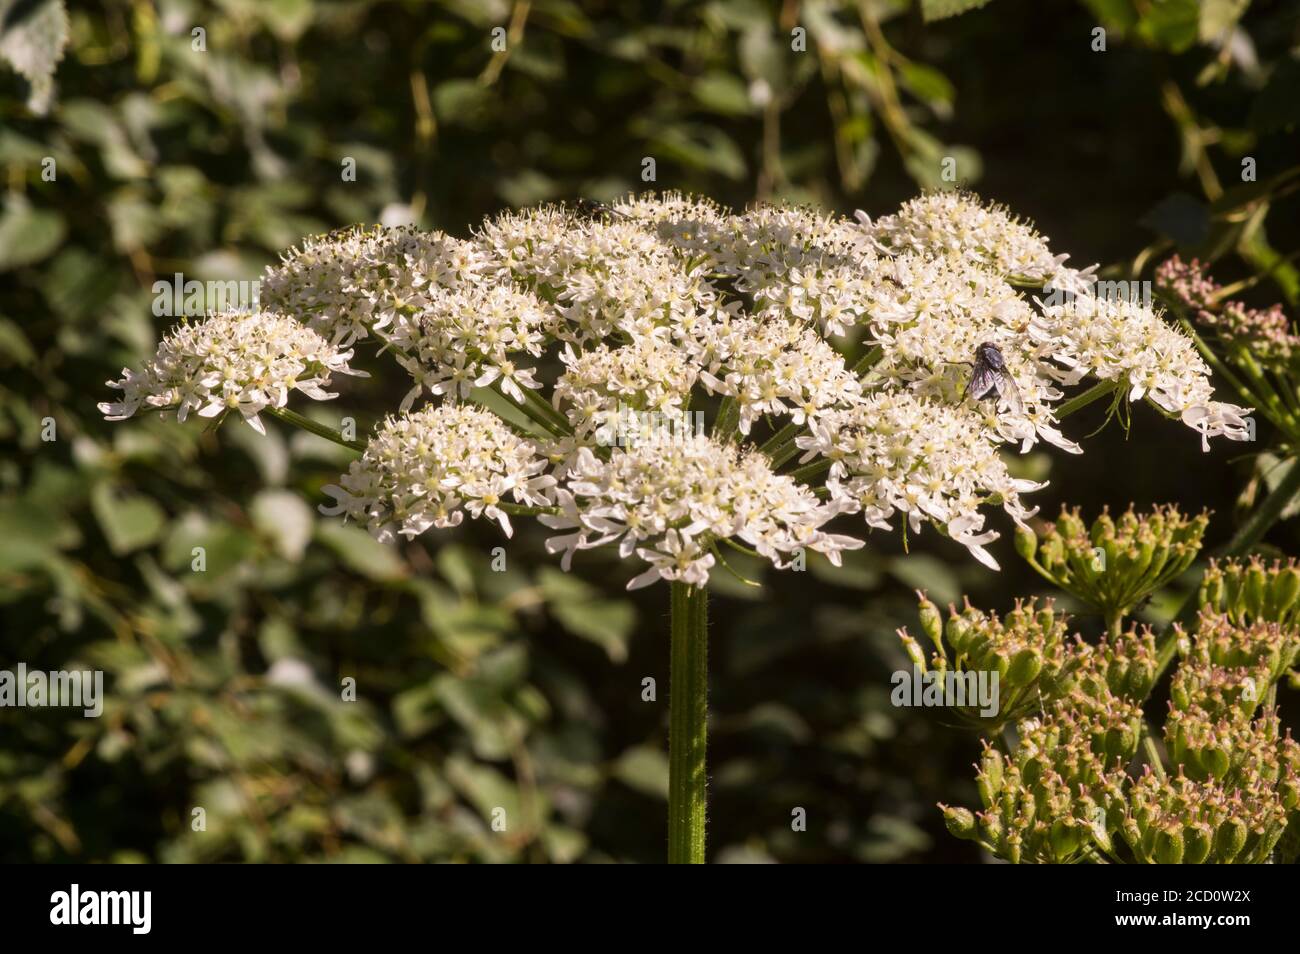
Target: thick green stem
x,y
1267,514
320,430
1080,401
688,700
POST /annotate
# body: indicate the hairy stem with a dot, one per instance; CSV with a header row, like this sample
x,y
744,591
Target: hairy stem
x,y
688,693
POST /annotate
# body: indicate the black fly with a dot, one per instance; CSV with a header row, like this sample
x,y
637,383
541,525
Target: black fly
x,y
989,377
591,209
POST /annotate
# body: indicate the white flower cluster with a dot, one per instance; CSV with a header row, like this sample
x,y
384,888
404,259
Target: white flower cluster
x,y
424,469
942,223
775,367
798,263
243,362
665,305
931,316
467,337
606,277
431,298
335,282
900,453
1128,342
953,259
644,376
666,502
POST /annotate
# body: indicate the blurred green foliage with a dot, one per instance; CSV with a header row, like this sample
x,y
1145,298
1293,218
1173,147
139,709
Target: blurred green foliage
x,y
522,690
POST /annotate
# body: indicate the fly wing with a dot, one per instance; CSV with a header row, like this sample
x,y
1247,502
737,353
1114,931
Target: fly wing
x,y
1007,389
983,382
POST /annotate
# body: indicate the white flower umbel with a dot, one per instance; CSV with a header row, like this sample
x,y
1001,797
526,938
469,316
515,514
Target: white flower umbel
x,y
1130,343
659,305
600,385
231,362
932,314
653,306
426,469
898,453
667,501
776,367
606,276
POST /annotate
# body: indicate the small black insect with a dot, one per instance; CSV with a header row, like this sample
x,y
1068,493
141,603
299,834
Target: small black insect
x,y
591,209
989,376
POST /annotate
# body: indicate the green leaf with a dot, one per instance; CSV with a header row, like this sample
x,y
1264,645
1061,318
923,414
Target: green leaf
x,y
285,519
722,93
926,83
939,9
129,521
1220,16
644,769
454,565
27,235
361,552
577,606
923,572
1171,24
1180,217
607,623
485,788
1277,104
703,147
33,34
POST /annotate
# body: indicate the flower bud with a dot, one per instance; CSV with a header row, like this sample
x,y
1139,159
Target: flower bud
x,y
960,821
1025,667
991,766
956,630
991,825
931,621
1198,839
913,649
1230,839
1286,588
1254,593
1169,844
1026,543
1065,837
1215,760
